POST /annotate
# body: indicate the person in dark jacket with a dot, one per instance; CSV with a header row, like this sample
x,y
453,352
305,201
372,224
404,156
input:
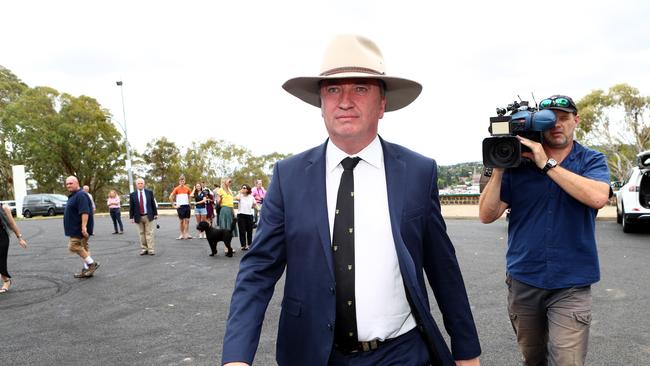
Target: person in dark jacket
x,y
143,212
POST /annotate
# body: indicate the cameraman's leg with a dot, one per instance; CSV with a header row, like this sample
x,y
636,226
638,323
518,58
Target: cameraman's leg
x,y
569,317
528,318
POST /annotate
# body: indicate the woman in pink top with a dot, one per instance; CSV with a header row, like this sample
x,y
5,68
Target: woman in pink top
x,y
113,203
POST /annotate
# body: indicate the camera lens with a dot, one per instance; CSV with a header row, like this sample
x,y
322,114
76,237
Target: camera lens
x,y
501,152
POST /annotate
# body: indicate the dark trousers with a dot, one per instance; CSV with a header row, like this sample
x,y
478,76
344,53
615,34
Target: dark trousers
x,y
117,218
245,225
4,250
408,349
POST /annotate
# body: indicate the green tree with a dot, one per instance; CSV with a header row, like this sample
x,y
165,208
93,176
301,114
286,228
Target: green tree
x,y
617,123
10,90
163,159
57,135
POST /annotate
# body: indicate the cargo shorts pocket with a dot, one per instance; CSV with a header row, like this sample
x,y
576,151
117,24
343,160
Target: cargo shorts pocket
x,y
583,317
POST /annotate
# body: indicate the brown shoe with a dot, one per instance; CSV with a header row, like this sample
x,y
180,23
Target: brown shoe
x,y
92,268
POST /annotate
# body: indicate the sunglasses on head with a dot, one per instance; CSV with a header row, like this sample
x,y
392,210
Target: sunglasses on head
x,y
556,102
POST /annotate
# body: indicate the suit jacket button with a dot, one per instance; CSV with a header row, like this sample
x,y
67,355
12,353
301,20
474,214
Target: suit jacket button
x,y
329,326
332,290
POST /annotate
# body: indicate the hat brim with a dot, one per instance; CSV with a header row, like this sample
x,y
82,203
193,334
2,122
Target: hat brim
x,y
399,92
569,110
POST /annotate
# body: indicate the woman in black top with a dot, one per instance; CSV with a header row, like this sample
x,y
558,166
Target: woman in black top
x,y
7,222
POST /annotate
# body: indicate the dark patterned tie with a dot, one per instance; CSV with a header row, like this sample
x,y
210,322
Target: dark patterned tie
x,y
343,254
141,204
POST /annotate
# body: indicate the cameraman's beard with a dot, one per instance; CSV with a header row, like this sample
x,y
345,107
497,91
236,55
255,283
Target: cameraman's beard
x,y
557,143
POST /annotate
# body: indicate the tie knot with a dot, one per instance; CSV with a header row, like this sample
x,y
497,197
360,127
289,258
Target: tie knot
x,y
349,163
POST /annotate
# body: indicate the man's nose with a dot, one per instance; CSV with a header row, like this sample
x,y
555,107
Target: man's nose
x,y
345,100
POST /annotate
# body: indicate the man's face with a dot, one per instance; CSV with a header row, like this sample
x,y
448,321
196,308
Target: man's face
x,y
561,135
352,108
140,184
181,181
71,184
86,189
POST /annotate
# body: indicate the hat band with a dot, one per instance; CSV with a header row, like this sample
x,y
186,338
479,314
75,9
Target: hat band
x,y
340,70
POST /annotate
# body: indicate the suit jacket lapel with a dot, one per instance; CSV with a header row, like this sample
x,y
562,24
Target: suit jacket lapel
x,y
315,173
395,175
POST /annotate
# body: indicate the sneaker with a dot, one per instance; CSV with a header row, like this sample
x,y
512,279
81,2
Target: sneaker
x,y
143,252
151,252
81,274
92,268
115,233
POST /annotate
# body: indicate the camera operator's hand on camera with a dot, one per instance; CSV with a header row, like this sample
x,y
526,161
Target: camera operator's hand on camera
x,y
538,155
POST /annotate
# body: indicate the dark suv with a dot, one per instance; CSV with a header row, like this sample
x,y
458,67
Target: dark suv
x,y
47,204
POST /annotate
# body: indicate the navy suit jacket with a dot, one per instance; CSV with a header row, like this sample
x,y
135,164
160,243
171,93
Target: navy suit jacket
x,y
294,235
134,205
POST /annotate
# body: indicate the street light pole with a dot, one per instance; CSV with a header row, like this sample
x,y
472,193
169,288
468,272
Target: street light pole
x,y
126,137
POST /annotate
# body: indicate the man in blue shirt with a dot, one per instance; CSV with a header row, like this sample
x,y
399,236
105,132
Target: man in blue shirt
x,y
78,225
552,258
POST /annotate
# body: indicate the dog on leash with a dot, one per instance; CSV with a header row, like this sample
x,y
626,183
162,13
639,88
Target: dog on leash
x,y
214,236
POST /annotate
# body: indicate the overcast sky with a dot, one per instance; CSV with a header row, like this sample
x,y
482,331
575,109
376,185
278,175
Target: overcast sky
x,y
194,70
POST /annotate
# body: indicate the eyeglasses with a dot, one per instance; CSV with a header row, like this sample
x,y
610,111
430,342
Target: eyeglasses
x,y
556,102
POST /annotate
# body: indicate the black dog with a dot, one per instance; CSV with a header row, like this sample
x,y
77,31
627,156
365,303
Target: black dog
x,y
214,236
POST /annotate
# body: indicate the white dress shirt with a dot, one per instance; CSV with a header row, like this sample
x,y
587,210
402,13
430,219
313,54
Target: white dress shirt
x,y
382,309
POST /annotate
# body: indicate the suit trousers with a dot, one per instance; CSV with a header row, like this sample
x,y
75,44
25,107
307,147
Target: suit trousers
x,y
408,349
145,228
552,326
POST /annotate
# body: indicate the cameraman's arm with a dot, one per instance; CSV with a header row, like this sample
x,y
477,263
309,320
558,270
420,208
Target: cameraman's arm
x,y
490,206
590,192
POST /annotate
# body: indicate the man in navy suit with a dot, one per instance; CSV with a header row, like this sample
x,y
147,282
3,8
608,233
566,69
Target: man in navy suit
x,y
398,235
143,211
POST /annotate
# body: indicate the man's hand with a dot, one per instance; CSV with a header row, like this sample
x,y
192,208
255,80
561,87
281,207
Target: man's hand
x,y
84,232
538,155
133,221
472,362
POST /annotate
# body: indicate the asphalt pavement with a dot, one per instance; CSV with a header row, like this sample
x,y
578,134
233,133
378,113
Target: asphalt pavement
x,y
170,309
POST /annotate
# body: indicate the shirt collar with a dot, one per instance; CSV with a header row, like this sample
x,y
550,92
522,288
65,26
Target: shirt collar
x,y
371,154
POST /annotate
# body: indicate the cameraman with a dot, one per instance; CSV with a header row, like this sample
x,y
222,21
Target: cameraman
x,y
551,258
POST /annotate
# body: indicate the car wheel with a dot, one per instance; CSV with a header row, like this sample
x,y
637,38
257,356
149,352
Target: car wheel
x,y
619,217
27,214
627,227
51,212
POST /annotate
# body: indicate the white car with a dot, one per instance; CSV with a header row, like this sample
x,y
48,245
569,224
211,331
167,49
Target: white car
x,y
633,199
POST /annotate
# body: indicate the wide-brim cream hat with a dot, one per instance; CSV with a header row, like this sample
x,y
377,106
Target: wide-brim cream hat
x,y
353,56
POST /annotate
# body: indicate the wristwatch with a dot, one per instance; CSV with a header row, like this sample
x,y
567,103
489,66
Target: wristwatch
x,y
550,164
487,172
